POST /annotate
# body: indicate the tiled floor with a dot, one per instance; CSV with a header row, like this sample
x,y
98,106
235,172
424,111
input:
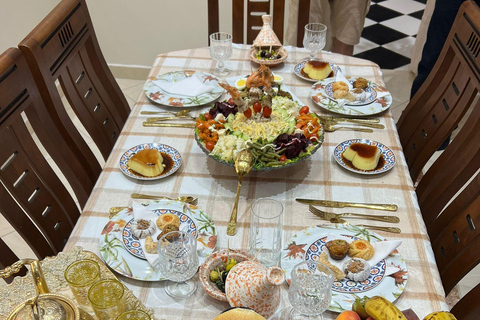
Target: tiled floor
x,y
389,32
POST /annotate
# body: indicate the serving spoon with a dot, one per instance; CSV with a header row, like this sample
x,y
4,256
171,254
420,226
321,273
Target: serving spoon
x,y
243,165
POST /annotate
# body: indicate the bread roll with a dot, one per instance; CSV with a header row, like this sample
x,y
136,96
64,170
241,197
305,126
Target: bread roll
x,y
239,314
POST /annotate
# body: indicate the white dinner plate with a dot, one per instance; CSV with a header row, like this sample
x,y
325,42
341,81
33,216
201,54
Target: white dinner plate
x,y
119,259
171,159
388,277
387,155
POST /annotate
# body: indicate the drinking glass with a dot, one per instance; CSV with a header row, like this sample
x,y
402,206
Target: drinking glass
x,y
134,315
314,38
310,291
107,298
266,231
80,276
221,50
178,262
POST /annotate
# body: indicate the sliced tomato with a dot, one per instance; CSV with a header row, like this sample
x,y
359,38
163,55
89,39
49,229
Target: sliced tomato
x,y
304,110
247,113
267,112
257,106
283,158
230,101
208,116
313,137
210,145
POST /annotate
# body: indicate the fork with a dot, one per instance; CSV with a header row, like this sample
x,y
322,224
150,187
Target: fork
x,y
346,223
186,199
330,128
330,215
181,113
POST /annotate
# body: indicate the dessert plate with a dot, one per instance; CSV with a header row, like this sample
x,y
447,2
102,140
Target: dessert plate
x,y
298,70
119,259
157,95
371,95
320,98
171,159
388,277
386,162
132,244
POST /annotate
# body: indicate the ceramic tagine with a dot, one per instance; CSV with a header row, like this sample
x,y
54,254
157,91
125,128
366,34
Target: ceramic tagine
x,y
268,43
249,284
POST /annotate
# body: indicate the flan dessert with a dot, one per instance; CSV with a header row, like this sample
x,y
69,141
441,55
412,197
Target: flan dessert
x,y
148,163
362,156
317,70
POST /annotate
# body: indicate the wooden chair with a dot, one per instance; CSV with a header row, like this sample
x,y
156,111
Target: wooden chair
x,y
64,47
254,18
449,192
33,199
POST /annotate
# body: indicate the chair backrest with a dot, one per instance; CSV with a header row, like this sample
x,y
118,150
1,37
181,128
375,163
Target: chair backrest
x,y
64,47
33,199
9,258
449,192
254,22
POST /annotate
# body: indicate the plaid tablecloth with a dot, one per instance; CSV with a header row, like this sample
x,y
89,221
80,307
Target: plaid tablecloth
x,y
214,184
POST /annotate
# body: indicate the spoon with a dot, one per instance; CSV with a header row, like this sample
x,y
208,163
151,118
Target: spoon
x,y
386,229
243,165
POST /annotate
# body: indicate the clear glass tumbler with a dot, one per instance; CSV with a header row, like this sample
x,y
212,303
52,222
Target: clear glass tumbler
x,y
80,276
178,262
314,38
310,291
266,231
221,51
107,298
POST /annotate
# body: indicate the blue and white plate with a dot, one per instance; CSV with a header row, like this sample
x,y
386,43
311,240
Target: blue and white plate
x,y
388,277
171,153
132,244
387,155
371,94
299,68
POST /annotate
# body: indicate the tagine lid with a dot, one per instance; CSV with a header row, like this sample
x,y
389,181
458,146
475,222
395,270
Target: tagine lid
x,y
267,37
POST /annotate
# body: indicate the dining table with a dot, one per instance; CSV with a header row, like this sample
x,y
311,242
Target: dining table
x,y
215,184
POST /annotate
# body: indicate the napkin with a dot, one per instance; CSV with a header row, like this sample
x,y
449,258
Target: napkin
x,y
140,212
190,87
382,250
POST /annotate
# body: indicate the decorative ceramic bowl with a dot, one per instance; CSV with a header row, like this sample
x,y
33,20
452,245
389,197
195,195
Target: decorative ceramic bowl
x,y
269,63
214,261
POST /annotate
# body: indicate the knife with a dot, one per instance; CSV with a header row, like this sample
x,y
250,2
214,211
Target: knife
x,y
365,124
177,125
155,119
339,204
353,120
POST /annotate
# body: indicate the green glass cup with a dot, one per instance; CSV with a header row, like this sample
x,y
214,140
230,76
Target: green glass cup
x,y
80,276
134,315
107,298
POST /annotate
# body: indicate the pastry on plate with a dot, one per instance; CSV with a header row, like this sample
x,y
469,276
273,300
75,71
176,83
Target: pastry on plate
x,y
360,83
150,245
361,249
239,314
337,273
142,228
356,269
338,249
339,85
167,218
168,228
362,156
317,70
147,162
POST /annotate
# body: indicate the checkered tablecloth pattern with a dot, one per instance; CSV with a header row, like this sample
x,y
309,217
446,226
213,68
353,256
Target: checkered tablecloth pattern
x,y
214,184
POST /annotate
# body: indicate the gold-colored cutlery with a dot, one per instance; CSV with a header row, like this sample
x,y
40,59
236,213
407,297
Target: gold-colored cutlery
x,y
187,199
330,215
171,125
181,113
155,119
385,229
331,128
340,204
352,120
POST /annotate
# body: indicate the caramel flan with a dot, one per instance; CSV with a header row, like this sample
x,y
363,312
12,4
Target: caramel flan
x,y
148,163
362,156
317,70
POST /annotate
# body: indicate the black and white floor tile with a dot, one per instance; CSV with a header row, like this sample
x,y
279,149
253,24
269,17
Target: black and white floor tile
x,y
389,32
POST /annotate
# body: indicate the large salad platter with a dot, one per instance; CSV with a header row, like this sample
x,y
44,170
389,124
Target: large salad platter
x,y
261,116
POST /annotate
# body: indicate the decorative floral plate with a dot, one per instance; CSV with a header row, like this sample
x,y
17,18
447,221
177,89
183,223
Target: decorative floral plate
x,y
120,260
298,70
132,244
388,278
160,96
371,95
321,99
171,159
387,158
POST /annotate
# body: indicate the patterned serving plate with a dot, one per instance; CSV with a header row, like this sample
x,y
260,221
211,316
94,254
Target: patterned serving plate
x,y
389,282
162,97
321,99
174,160
299,67
132,244
371,95
387,154
119,259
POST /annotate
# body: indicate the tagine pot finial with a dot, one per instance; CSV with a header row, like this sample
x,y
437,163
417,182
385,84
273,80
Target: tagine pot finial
x,y
267,37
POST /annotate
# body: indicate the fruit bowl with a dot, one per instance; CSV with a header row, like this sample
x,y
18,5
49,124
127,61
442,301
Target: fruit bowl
x,y
214,261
